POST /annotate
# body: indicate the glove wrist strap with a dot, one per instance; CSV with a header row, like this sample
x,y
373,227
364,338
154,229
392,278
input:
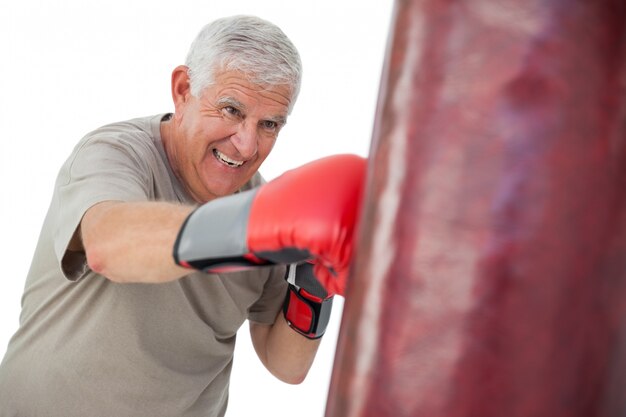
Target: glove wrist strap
x,y
305,313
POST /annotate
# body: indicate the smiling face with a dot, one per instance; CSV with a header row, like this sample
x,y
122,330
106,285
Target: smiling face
x,y
216,142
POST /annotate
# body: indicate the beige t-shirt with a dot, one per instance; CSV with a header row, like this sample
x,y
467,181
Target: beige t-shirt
x,y
89,347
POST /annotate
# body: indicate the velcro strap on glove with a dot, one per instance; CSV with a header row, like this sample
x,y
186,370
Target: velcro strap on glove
x,y
307,314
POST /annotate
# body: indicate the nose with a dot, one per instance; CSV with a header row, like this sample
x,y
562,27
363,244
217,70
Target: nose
x,y
245,139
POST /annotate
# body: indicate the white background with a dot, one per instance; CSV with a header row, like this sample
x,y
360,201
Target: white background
x,y
71,66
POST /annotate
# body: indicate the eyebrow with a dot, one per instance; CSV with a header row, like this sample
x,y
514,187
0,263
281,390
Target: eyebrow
x,y
279,120
231,101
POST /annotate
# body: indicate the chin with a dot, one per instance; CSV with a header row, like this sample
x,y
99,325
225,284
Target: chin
x,y
223,190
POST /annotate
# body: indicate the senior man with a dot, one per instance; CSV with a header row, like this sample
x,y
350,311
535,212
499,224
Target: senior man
x,y
161,240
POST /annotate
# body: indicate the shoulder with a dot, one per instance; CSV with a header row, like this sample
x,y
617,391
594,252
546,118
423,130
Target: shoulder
x,y
132,133
129,144
134,139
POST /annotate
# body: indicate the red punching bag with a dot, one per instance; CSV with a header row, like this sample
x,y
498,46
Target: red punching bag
x,y
490,272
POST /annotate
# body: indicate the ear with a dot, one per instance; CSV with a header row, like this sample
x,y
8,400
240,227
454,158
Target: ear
x,y
181,89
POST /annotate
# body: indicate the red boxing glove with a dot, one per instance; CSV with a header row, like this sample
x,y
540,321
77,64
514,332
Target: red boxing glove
x,y
308,213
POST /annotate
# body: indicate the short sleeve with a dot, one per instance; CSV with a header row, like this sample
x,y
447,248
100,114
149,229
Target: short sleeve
x,y
266,308
101,168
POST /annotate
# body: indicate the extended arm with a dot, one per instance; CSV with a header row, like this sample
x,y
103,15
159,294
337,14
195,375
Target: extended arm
x,y
132,242
307,213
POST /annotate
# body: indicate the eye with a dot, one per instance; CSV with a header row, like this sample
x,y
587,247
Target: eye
x,y
269,125
232,111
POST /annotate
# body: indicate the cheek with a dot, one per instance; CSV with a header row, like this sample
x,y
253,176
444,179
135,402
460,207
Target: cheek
x,y
266,145
200,138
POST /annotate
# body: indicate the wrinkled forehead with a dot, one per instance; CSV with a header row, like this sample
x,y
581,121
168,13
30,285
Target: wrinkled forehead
x,y
236,89
258,83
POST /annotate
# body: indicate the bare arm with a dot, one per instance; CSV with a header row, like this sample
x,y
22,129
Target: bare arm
x,y
132,242
284,352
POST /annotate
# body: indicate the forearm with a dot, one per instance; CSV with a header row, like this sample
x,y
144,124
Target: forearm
x,y
132,242
285,353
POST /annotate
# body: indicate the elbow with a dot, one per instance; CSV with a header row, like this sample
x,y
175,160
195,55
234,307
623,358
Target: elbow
x,y
293,381
96,260
293,374
93,253
291,378
96,241
296,379
287,355
289,372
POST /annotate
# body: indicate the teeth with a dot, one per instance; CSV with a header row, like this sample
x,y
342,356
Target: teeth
x,y
227,160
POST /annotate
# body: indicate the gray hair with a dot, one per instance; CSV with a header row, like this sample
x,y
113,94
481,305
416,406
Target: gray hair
x,y
257,48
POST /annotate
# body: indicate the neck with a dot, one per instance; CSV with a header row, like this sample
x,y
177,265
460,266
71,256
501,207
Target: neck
x,y
168,137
